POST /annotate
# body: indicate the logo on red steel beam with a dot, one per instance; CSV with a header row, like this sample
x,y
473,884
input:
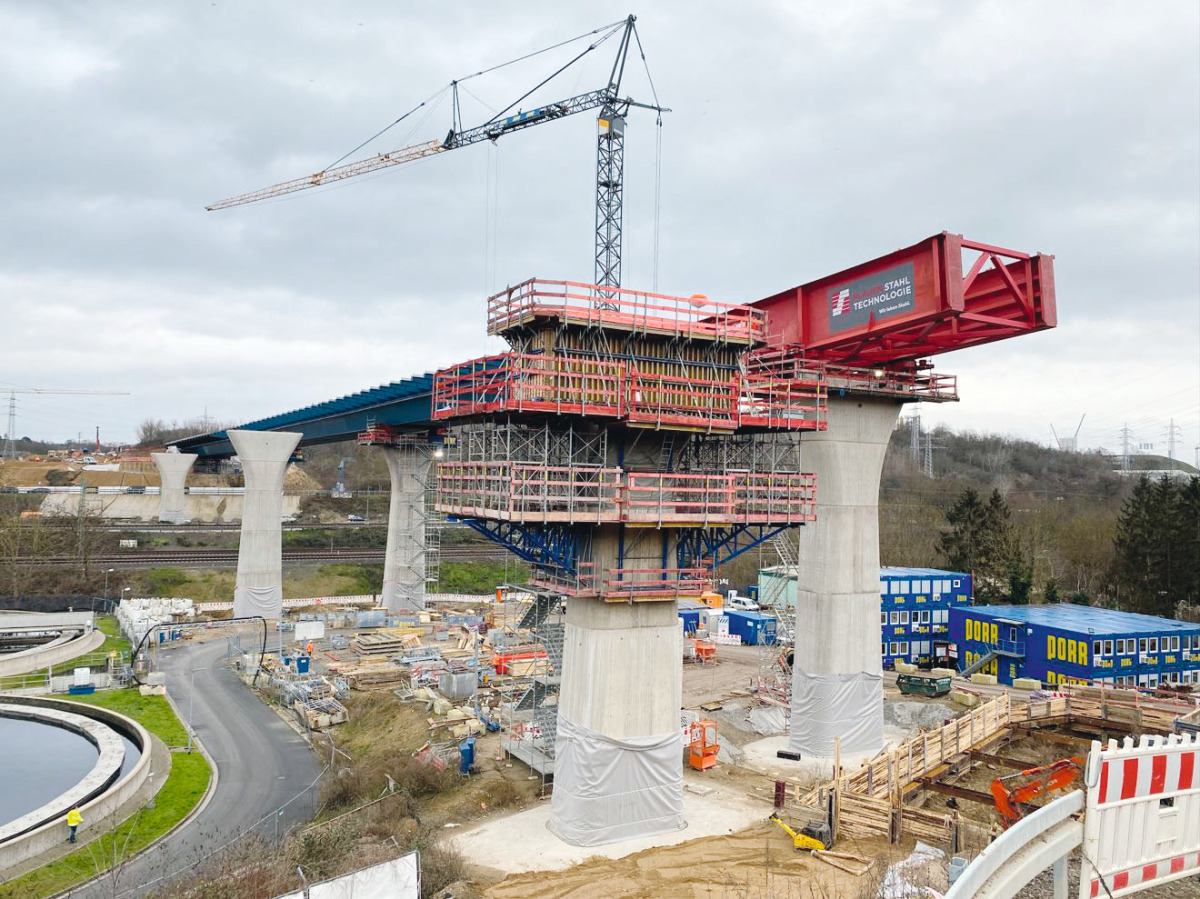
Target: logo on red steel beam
x,y
879,295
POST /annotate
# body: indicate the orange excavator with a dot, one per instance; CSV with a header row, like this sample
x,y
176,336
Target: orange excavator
x,y
1014,793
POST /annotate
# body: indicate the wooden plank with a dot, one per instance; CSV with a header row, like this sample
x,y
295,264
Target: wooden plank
x,y
1002,761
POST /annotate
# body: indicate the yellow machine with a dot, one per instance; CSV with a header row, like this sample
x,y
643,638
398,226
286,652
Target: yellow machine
x,y
807,839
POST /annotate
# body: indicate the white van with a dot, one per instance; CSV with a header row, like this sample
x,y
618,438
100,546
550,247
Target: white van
x,y
740,603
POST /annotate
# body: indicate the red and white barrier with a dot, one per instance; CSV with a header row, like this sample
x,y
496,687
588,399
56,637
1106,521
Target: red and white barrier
x,y
1142,826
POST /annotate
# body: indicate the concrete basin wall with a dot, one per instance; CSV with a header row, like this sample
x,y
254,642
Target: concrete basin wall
x,y
50,655
96,810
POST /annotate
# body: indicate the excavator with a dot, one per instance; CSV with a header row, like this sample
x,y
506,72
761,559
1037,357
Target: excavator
x,y
1014,793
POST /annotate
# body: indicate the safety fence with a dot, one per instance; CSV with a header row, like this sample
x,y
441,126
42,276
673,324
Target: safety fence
x,y
527,492
613,388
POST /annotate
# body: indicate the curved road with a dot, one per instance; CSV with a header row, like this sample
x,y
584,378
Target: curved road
x,y
261,762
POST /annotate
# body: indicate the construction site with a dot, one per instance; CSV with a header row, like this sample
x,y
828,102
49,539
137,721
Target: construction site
x,y
620,722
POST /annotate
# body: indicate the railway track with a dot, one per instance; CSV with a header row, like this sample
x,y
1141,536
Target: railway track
x,y
213,558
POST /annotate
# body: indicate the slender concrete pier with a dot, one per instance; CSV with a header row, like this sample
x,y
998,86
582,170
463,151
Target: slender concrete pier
x,y
173,467
837,685
264,456
618,770
404,563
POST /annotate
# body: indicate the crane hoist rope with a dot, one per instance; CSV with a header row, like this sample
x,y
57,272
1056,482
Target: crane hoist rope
x,y
610,147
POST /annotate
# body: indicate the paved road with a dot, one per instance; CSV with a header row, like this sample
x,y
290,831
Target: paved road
x,y
262,763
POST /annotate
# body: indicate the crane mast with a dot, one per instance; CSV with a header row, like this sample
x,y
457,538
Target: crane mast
x,y
610,152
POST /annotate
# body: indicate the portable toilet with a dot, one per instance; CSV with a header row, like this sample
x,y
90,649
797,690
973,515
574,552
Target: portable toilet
x,y
302,664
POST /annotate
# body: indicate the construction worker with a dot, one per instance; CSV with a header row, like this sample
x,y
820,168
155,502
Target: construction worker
x,y
74,819
308,648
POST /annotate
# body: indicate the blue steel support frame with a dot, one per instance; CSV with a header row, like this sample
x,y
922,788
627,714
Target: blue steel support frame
x,y
551,546
721,545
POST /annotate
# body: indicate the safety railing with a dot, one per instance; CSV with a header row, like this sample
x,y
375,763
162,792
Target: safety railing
x,y
519,382
769,402
517,491
655,583
572,302
527,492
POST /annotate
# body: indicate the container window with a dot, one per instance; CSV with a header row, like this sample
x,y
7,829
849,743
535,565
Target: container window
x,y
885,652
904,617
901,586
1154,644
1174,644
883,617
895,617
1143,645
957,582
925,587
1097,647
895,649
904,649
1108,647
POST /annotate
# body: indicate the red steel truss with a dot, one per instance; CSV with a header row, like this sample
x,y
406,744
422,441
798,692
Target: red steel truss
x,y
519,382
944,293
572,302
529,493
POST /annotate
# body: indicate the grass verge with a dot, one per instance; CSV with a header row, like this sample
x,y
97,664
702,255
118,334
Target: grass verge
x,y
186,784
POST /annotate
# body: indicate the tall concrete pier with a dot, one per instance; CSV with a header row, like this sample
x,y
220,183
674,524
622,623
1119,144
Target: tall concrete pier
x,y
837,685
404,563
617,773
173,467
264,456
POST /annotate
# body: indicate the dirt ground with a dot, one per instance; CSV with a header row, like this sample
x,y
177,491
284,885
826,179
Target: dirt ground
x,y
732,671
756,862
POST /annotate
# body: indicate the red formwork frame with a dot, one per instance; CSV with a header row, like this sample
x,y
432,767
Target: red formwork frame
x,y
565,385
942,294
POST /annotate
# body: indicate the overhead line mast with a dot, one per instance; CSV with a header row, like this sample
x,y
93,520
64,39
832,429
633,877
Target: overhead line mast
x,y
610,149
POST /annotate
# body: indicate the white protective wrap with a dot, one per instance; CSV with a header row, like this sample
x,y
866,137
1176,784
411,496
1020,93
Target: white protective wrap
x,y
846,706
264,601
404,563
607,790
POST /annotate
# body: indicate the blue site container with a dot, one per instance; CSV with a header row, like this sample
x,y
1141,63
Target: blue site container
x,y
754,628
302,664
690,619
466,756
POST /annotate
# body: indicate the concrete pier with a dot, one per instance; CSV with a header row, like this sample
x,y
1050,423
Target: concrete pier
x,y
618,770
173,467
404,563
264,456
837,687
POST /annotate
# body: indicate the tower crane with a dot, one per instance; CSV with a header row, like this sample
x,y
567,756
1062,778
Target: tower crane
x,y
9,439
610,147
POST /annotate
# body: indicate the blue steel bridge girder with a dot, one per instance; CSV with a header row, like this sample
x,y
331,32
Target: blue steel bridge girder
x,y
550,546
718,545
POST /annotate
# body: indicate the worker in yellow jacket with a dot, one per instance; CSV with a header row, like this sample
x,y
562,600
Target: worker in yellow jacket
x,y
74,819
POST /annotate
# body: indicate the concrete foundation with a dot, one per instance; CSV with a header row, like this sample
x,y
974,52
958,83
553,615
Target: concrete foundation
x,y
264,456
173,468
837,688
618,758
404,564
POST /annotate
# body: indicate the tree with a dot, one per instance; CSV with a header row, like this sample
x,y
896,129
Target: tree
x,y
1157,546
981,541
1050,594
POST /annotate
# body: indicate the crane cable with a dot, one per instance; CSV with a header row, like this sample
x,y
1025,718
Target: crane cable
x,y
657,156
612,30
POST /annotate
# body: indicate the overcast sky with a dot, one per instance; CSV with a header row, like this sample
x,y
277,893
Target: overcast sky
x,y
805,137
